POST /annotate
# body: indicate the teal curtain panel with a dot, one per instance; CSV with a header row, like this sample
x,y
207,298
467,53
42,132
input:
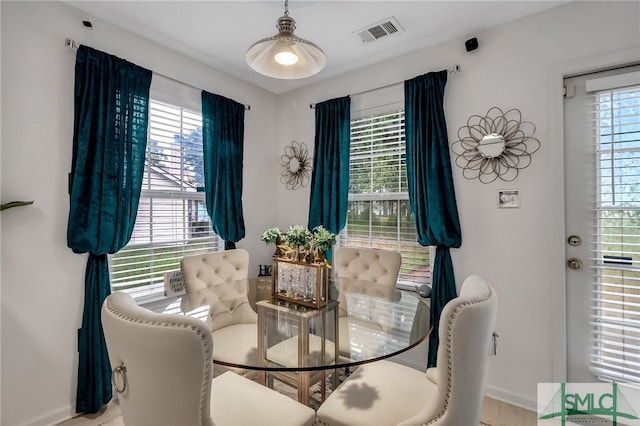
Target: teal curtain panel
x,y
431,192
330,174
223,140
109,141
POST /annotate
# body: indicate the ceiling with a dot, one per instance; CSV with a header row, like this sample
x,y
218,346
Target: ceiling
x,y
218,33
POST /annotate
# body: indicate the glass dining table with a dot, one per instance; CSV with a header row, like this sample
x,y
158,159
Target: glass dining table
x,y
361,322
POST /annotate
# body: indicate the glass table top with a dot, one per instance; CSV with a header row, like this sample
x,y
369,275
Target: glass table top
x,y
361,322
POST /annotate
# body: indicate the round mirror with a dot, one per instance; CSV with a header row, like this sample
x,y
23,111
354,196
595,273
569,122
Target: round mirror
x,y
294,165
491,145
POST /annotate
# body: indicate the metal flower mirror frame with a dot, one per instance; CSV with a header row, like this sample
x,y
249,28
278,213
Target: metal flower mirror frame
x,y
496,145
296,165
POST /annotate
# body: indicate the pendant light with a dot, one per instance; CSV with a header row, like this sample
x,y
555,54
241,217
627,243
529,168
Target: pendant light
x,y
285,55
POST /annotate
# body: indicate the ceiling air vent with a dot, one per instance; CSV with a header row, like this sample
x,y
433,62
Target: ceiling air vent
x,y
380,29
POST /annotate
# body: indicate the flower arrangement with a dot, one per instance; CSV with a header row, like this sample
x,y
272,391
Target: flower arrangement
x,y
270,236
300,243
323,239
297,235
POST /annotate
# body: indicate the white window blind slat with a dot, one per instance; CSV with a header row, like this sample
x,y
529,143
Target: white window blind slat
x,y
172,220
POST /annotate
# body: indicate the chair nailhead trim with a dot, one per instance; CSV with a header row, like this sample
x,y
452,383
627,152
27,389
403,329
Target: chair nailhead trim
x,y
452,319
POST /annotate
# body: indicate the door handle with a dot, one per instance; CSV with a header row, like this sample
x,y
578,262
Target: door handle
x,y
574,263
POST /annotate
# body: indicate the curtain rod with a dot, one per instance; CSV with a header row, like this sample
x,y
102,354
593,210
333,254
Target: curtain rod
x,y
71,44
452,70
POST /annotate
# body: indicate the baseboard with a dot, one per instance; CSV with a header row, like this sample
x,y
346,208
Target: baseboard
x,y
511,398
53,417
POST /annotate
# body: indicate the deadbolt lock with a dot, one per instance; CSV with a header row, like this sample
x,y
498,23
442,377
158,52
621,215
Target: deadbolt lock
x,y
574,240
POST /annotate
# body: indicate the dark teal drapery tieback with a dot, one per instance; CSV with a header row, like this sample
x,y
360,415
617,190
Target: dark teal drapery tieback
x,y
440,296
94,371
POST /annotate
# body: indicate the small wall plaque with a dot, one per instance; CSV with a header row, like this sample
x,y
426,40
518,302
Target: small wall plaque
x,y
508,199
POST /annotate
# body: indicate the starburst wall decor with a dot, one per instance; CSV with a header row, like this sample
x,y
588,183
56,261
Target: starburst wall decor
x,y
496,145
296,165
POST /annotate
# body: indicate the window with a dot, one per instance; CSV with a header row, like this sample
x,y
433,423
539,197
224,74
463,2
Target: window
x,y
379,214
615,326
172,219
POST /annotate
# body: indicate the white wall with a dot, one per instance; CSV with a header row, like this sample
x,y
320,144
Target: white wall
x,y
520,251
42,280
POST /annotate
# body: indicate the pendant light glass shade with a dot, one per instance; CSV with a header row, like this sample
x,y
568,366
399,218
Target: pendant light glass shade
x,y
286,55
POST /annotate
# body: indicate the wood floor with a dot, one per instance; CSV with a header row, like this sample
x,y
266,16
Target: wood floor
x,y
494,413
498,413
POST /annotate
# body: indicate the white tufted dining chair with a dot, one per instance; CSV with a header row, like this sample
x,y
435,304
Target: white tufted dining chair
x,y
162,370
215,280
450,394
367,264
367,272
206,271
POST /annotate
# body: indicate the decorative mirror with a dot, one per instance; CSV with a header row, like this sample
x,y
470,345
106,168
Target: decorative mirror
x,y
496,145
295,165
491,145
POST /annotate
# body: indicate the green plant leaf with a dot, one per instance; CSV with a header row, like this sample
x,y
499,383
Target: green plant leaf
x,y
15,204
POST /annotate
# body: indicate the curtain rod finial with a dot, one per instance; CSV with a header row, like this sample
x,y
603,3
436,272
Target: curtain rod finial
x,y
70,43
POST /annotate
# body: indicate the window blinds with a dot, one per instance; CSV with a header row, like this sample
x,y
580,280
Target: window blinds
x,y
379,214
172,220
615,324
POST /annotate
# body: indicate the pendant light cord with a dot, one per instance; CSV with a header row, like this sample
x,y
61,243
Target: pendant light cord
x,y
286,7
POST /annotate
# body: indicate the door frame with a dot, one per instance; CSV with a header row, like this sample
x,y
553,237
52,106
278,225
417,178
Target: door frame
x,y
557,251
